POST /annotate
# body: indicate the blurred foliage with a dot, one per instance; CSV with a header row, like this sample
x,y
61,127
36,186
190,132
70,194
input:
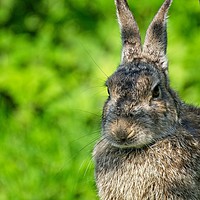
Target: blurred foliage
x,y
54,59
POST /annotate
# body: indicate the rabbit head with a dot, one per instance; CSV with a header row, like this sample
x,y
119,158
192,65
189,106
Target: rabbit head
x,y
141,107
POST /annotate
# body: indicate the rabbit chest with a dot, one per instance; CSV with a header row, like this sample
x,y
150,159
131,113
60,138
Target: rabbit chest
x,y
163,171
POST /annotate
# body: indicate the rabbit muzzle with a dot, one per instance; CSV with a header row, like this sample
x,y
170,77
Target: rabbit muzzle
x,y
125,133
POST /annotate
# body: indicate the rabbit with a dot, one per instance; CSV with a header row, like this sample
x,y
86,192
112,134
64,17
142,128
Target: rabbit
x,y
150,141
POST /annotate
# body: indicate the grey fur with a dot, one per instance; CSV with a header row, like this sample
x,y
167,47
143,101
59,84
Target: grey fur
x,y
155,45
131,40
150,144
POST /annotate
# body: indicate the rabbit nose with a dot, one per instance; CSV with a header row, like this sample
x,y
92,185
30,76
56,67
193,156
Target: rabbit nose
x,y
121,135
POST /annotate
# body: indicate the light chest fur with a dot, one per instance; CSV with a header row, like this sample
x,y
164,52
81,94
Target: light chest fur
x,y
167,170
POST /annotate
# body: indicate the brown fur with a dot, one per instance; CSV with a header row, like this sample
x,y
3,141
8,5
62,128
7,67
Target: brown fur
x,y
150,145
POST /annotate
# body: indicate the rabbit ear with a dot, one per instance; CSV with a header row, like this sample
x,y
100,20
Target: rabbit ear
x,y
155,45
130,35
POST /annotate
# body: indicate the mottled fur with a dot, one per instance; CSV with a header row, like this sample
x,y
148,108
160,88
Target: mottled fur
x,y
150,145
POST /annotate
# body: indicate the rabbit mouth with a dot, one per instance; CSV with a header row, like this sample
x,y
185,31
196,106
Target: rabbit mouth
x,y
137,142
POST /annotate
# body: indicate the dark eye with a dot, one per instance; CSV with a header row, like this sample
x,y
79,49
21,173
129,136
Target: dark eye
x,y
156,92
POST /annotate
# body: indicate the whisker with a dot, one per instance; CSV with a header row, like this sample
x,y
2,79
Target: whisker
x,y
87,52
101,140
102,87
87,168
84,136
88,112
87,145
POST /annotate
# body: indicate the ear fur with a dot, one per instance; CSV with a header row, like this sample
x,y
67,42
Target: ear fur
x,y
130,35
155,45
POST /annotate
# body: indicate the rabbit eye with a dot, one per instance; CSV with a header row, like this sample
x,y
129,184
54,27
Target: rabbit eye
x,y
156,92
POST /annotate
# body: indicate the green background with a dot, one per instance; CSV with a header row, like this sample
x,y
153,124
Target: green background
x,y
55,56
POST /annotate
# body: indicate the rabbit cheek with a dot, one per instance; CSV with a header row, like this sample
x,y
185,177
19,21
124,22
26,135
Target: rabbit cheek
x,y
108,110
